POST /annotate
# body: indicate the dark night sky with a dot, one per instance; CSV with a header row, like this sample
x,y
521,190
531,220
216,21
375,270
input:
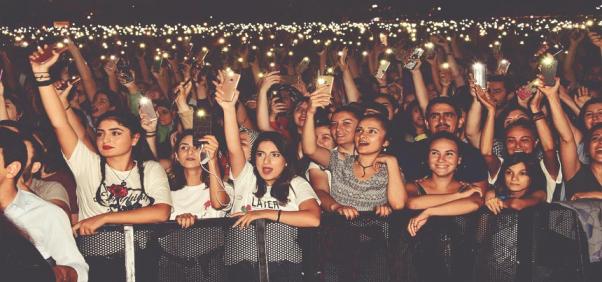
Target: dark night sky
x,y
35,12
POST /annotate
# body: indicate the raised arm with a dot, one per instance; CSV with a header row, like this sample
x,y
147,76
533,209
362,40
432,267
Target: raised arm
x,y
3,112
110,69
83,69
420,87
74,121
263,112
473,118
235,152
493,163
353,94
54,108
568,147
545,136
569,72
451,60
309,143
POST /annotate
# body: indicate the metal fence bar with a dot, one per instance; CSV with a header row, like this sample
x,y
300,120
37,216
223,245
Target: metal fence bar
x,y
130,254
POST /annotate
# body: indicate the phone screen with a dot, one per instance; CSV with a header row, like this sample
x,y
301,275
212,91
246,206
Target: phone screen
x,y
479,72
230,84
147,108
382,69
327,80
414,58
201,123
548,68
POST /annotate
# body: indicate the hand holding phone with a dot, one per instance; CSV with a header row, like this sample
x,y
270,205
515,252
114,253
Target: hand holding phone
x,y
46,53
229,84
413,59
479,72
382,69
327,80
147,108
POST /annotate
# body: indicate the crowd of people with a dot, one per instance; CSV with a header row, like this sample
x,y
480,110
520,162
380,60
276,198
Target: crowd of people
x,y
283,133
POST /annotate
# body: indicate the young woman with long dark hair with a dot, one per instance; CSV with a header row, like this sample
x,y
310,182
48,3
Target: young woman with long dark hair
x,y
120,184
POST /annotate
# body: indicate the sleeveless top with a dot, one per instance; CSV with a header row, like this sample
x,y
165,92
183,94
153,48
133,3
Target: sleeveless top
x,y
583,181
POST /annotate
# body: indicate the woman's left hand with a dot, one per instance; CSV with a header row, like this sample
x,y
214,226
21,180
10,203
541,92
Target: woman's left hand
x,y
245,219
417,222
383,210
89,225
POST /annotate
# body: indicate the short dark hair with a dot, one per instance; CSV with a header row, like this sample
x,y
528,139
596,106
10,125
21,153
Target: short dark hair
x,y
381,109
442,100
505,79
13,149
390,98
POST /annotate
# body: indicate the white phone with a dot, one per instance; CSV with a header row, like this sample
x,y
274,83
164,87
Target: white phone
x,y
382,69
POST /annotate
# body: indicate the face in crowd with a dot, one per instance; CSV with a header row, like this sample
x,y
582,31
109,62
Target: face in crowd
x,y
443,117
444,157
370,136
342,127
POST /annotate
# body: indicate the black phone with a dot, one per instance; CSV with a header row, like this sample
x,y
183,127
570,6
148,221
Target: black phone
x,y
201,123
124,70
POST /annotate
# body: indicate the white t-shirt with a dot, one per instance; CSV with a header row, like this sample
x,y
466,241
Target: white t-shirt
x,y
94,198
196,200
49,190
245,186
550,182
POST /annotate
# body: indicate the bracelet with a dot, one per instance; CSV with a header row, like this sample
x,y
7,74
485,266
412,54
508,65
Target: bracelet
x,y
44,83
279,213
537,116
151,135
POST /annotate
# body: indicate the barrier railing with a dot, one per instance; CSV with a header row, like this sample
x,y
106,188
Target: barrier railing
x,y
544,243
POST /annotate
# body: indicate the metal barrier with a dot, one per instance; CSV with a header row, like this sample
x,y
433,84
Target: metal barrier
x,y
544,243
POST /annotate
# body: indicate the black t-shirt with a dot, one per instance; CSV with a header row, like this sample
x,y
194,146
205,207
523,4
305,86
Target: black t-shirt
x,y
583,181
412,158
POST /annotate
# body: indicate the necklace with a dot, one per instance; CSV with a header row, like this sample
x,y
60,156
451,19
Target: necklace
x,y
123,183
362,166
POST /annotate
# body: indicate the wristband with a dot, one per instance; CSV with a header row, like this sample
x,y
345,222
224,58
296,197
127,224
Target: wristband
x,y
537,116
279,213
44,83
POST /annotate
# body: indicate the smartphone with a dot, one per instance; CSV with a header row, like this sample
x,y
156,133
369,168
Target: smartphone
x,y
327,80
201,123
157,63
548,67
479,72
302,66
502,66
124,70
198,62
382,69
230,84
1,73
147,108
414,58
429,51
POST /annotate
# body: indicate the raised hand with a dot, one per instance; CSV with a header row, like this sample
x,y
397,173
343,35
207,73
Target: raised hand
x,y
343,60
210,146
484,97
595,38
269,80
549,91
319,99
39,67
110,67
582,96
219,97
